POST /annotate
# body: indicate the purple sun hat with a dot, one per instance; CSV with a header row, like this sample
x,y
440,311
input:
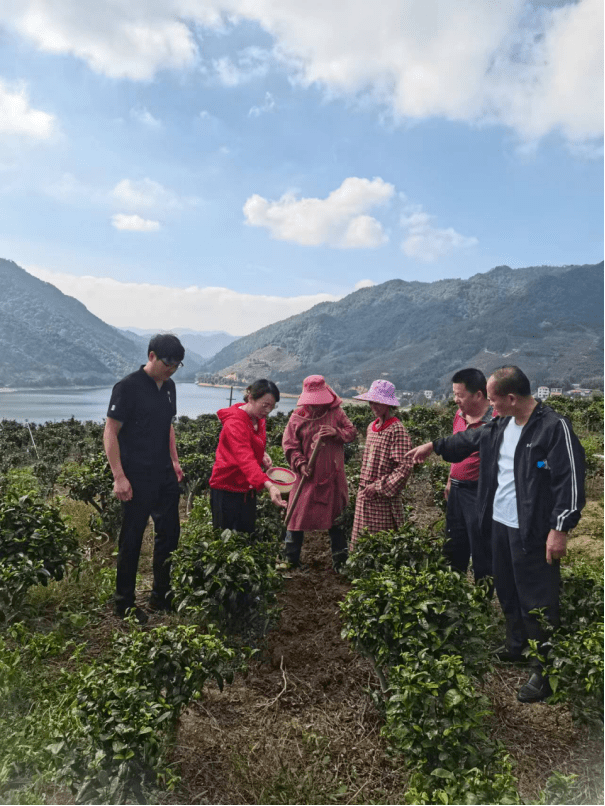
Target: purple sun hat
x,y
380,392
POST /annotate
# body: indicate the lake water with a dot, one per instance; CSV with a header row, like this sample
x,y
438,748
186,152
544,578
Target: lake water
x,y
42,405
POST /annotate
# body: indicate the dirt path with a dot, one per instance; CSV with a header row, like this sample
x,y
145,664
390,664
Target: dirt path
x,y
301,727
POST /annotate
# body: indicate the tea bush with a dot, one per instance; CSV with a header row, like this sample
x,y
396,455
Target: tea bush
x,y
408,546
35,545
575,665
225,576
92,482
410,609
115,719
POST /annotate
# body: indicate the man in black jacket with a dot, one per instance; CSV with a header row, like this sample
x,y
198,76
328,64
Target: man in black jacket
x,y
530,494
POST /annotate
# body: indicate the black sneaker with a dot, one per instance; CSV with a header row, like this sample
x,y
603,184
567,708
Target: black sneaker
x,y
536,689
503,655
159,605
139,614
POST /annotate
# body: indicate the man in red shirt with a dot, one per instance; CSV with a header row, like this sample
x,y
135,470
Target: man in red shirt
x,y
462,524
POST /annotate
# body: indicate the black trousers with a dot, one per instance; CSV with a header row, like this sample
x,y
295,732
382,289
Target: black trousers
x,y
235,511
156,496
524,581
464,538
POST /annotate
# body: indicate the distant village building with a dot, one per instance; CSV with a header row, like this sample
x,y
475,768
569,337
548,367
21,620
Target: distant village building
x,y
577,392
428,393
542,393
556,391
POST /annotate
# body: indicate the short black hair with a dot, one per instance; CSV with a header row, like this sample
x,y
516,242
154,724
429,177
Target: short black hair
x,y
473,379
510,380
166,345
261,388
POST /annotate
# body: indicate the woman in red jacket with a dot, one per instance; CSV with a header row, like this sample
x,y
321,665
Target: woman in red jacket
x,y
241,459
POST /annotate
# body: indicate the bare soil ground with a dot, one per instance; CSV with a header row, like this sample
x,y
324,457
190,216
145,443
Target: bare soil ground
x,y
301,727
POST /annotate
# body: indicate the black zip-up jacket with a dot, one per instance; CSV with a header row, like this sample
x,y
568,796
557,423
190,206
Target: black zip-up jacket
x,y
549,472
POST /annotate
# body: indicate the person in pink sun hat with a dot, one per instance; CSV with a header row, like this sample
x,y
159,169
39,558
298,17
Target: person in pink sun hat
x,y
324,495
384,468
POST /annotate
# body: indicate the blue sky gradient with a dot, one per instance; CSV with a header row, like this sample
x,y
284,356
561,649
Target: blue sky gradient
x,y
223,165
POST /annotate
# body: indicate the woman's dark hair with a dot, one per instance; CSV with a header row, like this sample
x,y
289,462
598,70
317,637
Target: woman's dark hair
x,y
166,345
260,389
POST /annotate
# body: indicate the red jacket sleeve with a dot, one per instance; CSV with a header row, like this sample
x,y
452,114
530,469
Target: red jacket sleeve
x,y
237,450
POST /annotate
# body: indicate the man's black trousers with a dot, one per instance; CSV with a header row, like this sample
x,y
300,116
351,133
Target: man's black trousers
x,y
524,582
463,535
156,496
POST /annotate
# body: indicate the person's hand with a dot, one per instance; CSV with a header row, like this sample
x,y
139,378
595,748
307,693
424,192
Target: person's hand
x,y
556,545
276,497
448,487
420,454
305,471
179,471
327,431
369,491
122,488
267,461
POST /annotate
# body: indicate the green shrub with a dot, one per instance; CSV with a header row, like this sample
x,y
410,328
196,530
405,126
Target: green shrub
x,y
223,574
92,482
575,665
116,717
411,609
409,546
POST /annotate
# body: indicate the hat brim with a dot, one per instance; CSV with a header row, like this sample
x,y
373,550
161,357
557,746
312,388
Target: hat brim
x,y
372,399
321,398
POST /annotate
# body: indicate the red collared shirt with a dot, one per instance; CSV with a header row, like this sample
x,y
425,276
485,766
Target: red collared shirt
x,y
468,470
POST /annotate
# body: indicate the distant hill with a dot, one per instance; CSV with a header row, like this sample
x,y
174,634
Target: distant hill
x,y
192,360
546,319
51,339
204,343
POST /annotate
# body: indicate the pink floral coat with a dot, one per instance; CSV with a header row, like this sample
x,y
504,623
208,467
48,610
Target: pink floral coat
x,y
324,495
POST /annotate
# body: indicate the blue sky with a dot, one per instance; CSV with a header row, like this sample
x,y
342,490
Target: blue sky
x,y
223,164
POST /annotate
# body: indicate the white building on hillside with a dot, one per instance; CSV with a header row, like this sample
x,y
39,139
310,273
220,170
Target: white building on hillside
x,y
542,393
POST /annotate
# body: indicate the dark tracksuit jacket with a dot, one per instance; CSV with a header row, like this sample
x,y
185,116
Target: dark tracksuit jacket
x,y
549,472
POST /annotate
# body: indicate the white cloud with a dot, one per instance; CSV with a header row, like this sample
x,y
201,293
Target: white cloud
x,y
534,68
17,117
146,305
426,242
251,63
339,220
268,105
142,115
364,284
137,194
134,223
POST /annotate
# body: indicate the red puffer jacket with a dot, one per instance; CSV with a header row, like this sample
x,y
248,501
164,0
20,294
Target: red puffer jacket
x,y
240,452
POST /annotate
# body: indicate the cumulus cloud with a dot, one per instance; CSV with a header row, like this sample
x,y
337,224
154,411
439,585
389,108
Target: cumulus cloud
x,y
428,243
134,223
146,305
19,118
364,284
268,105
339,220
142,115
536,68
250,64
147,194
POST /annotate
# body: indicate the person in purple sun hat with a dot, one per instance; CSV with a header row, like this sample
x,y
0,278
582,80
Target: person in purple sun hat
x,y
384,468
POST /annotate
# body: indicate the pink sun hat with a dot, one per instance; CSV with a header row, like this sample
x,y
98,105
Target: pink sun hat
x,y
316,392
380,392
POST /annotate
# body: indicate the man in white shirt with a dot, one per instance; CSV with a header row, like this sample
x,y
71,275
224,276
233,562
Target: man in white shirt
x,y
531,493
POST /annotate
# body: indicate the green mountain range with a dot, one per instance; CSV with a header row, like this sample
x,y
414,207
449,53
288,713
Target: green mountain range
x,y
546,319
51,340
